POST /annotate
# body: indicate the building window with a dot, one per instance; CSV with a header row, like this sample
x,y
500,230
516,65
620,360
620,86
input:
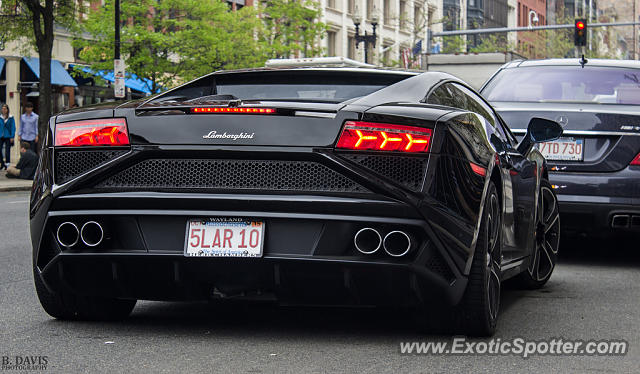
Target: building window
x,y
386,11
351,47
351,6
402,13
331,43
331,4
417,16
386,55
369,8
431,14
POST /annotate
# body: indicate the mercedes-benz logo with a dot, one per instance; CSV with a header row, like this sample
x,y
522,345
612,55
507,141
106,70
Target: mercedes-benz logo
x,y
562,120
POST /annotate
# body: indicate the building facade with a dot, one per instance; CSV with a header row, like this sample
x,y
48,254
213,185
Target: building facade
x,y
624,39
476,14
401,25
531,13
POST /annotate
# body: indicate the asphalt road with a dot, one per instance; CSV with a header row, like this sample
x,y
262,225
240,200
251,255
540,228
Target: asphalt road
x,y
593,294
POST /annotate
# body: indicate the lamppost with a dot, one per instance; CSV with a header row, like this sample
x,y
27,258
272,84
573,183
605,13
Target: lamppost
x,y
535,17
366,39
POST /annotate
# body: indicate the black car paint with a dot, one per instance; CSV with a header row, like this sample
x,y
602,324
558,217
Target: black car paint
x,y
445,211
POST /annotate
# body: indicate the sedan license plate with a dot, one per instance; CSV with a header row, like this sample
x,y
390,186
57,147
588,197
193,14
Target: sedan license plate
x,y
224,237
563,149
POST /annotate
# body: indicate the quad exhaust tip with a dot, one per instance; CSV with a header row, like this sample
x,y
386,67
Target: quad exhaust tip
x,y
92,233
397,243
68,234
367,240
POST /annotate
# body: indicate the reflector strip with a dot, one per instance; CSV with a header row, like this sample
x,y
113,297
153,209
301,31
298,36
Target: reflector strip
x,y
478,169
233,110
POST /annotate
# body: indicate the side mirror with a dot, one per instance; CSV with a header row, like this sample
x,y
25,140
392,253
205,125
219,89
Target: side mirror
x,y
540,130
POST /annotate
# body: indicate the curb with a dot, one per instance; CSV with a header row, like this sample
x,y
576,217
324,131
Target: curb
x,y
15,188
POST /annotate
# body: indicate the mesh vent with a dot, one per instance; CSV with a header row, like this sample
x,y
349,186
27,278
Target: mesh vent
x,y
70,164
407,171
274,175
438,265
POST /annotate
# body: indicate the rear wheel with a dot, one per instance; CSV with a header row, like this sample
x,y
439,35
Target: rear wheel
x,y
477,314
67,305
547,233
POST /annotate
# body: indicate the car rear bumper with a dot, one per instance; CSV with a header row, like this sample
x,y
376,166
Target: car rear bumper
x,y
308,254
599,203
328,281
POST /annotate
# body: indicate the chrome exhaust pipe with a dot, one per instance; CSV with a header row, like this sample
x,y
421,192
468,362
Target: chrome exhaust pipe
x,y
397,243
367,240
92,233
67,234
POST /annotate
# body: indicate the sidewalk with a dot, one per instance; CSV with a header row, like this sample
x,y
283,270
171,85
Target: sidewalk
x,y
7,184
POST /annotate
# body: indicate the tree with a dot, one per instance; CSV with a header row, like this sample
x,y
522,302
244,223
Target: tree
x,y
164,41
492,43
292,28
170,41
33,21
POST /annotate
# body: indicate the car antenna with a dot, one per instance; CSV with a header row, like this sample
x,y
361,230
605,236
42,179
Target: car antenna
x,y
583,61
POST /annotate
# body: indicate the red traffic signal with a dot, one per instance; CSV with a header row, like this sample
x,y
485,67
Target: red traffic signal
x,y
580,33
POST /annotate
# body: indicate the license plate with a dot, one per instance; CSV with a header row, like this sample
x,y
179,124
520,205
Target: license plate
x,y
563,149
224,237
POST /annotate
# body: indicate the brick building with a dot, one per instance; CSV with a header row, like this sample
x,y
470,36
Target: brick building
x,y
528,12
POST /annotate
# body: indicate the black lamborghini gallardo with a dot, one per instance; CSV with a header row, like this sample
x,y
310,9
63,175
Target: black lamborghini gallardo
x,y
310,186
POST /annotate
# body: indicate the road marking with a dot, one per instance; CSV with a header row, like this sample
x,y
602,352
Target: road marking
x,y
18,201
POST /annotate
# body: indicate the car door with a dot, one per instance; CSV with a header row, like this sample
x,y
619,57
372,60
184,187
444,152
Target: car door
x,y
518,176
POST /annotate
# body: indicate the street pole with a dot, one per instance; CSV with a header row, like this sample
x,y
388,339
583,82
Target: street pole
x,y
117,28
526,28
119,90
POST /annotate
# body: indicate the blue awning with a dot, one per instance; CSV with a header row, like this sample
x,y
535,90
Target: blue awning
x,y
2,61
59,76
133,82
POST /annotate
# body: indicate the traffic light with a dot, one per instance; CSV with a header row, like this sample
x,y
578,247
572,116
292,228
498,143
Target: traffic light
x,y
580,35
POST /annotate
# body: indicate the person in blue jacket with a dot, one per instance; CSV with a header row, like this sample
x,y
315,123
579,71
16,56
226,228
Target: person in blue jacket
x,y
7,133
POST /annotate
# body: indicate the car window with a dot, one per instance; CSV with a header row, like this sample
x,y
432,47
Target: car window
x,y
443,96
566,84
458,96
475,104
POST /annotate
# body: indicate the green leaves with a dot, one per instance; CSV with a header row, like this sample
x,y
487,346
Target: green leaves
x,y
173,41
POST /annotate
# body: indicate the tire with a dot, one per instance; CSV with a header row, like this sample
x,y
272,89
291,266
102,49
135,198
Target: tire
x,y
65,305
477,314
547,242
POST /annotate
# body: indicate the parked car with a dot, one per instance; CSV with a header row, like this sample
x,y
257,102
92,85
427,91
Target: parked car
x,y
595,166
321,186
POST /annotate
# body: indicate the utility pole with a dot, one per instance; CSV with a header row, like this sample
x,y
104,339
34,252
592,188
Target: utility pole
x,y
119,89
117,28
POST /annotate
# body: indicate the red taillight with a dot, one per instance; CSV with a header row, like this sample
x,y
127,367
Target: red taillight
x,y
233,110
384,137
95,132
636,160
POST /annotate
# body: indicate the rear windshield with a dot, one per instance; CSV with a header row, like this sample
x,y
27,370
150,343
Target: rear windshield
x,y
570,84
329,86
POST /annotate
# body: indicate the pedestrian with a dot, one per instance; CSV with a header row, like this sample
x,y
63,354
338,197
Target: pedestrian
x,y
26,167
7,132
29,127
